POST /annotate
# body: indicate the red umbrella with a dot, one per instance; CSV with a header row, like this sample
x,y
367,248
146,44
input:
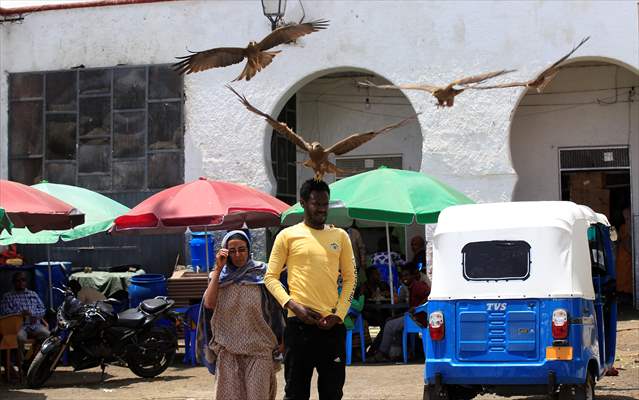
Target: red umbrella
x,y
203,205
35,210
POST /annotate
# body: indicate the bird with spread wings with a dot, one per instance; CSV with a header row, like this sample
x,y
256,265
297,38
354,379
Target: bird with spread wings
x,y
445,95
255,53
318,155
543,79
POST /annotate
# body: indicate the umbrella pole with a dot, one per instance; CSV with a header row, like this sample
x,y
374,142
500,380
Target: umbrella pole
x,y
390,267
50,278
206,250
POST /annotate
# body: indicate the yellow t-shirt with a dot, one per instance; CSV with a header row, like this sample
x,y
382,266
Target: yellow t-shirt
x,y
314,259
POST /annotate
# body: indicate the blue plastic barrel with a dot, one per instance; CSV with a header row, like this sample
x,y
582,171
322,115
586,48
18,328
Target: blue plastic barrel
x,y
146,286
198,250
60,271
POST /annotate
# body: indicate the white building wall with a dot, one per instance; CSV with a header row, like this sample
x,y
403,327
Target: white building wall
x,y
542,125
409,41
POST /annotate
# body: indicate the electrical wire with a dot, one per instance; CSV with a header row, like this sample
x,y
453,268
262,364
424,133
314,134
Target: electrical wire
x,y
362,111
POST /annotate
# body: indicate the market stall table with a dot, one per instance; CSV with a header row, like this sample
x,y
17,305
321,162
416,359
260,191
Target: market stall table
x,y
105,282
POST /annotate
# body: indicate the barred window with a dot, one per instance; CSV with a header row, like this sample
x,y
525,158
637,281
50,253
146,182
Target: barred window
x,y
108,129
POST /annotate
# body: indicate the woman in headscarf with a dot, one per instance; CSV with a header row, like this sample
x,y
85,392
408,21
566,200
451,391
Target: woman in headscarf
x,y
246,327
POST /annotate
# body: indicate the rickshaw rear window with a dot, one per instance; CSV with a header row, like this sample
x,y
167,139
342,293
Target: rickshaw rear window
x,y
496,260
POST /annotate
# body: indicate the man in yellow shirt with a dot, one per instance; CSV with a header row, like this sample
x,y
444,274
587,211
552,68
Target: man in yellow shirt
x,y
315,255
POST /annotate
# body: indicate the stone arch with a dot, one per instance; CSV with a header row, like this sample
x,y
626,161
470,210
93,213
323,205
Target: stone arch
x,y
299,85
515,124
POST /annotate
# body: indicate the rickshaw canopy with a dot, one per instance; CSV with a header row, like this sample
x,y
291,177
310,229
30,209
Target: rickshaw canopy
x,y
513,250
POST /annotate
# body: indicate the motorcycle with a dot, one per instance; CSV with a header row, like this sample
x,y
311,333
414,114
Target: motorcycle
x,y
94,336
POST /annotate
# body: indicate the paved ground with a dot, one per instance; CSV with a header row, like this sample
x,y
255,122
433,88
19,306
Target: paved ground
x,y
362,381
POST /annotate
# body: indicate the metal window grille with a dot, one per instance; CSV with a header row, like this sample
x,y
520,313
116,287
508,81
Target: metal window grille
x,y
112,130
594,158
356,165
283,156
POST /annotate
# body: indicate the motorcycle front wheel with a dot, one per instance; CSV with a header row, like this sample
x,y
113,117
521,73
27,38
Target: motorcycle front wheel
x,y
40,369
155,354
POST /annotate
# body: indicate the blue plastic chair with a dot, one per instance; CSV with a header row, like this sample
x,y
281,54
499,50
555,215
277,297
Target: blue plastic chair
x,y
191,317
358,326
412,328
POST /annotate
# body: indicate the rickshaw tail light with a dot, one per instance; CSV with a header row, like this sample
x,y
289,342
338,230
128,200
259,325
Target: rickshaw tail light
x,y
436,325
560,324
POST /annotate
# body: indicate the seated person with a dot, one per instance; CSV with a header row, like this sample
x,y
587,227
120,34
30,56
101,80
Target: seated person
x,y
26,302
380,257
357,304
418,246
403,293
375,288
86,295
393,328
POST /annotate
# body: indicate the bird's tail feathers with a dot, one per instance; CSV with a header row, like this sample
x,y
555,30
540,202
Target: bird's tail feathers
x,y
256,64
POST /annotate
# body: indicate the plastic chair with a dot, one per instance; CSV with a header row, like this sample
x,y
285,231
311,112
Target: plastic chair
x,y
191,317
358,326
9,327
411,327
383,273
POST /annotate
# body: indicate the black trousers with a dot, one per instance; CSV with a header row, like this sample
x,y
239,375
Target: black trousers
x,y
307,348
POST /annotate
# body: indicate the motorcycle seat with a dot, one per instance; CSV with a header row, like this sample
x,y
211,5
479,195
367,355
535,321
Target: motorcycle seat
x,y
130,319
152,306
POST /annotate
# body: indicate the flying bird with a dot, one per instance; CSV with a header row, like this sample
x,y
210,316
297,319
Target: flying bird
x,y
543,79
318,155
255,53
445,95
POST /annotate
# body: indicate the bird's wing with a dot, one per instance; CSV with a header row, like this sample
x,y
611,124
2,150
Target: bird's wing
x,y
280,127
479,78
564,58
289,33
502,85
544,78
357,139
203,60
413,86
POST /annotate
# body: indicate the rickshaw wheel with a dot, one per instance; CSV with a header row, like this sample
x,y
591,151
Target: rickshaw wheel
x,y
431,393
587,390
460,393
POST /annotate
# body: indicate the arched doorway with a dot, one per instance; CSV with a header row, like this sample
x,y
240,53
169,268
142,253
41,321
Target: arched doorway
x,y
578,141
329,106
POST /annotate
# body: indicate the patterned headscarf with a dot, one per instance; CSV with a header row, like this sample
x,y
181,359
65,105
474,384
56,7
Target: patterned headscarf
x,y
252,273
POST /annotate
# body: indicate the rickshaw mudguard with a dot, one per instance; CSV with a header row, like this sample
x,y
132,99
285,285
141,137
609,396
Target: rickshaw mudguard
x,y
442,357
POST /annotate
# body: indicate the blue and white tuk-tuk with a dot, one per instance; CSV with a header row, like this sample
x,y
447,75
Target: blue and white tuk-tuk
x,y
522,301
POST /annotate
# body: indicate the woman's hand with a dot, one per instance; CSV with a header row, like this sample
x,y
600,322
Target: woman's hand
x,y
220,258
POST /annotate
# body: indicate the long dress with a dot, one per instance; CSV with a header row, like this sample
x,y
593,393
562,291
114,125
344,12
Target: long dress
x,y
244,344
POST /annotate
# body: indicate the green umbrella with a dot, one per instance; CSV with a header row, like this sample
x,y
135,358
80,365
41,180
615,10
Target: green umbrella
x,y
99,210
388,196
385,195
5,222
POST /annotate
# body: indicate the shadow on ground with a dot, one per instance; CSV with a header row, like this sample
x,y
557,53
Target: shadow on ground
x,y
18,395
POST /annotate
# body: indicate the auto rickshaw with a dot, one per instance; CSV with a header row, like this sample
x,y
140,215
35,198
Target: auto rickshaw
x,y
522,301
